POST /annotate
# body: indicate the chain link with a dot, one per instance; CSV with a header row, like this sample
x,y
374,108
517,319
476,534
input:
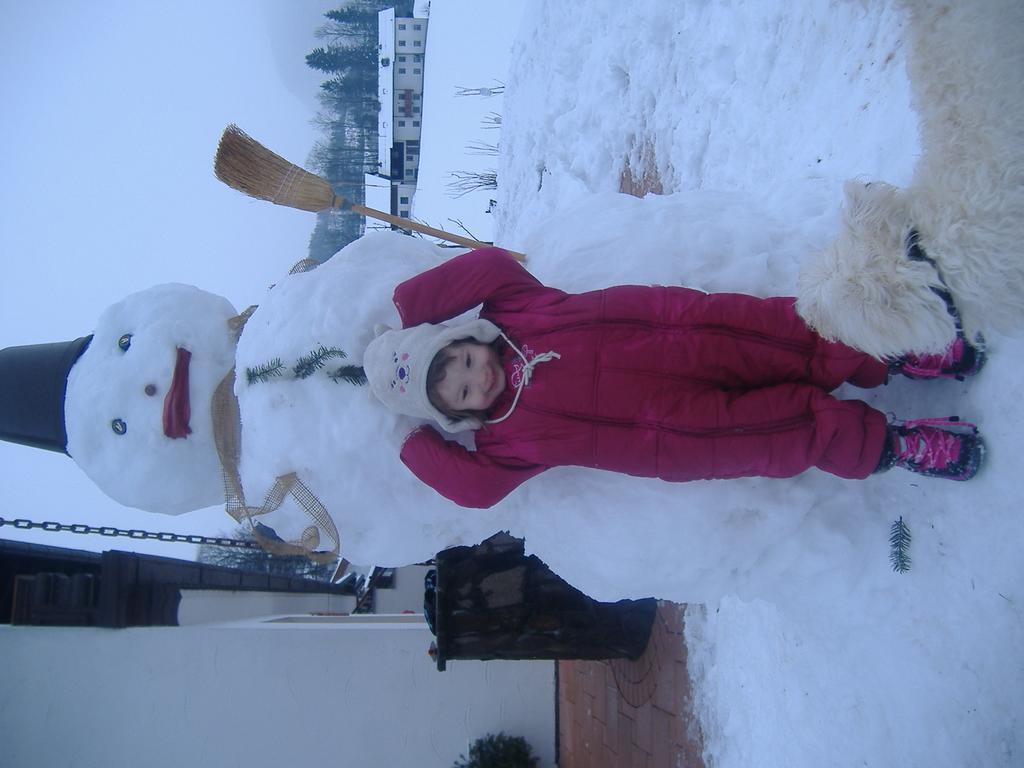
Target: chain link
x,y
132,533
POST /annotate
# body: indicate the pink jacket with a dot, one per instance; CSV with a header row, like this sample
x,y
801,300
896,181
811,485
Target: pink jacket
x,y
653,381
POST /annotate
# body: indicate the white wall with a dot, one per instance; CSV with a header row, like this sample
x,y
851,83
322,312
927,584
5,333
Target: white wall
x,y
406,595
280,695
215,606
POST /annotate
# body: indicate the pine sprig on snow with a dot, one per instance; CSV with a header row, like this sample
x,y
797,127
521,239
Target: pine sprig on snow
x,y
899,545
353,374
264,372
309,364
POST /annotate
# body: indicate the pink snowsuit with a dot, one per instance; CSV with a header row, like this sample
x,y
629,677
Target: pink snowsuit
x,y
653,381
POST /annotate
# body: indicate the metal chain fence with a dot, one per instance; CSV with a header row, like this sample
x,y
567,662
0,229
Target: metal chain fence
x,y
131,533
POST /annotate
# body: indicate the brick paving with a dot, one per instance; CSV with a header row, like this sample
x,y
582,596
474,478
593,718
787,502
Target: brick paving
x,y
631,714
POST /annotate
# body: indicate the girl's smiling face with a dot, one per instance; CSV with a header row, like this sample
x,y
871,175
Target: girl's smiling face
x,y
473,377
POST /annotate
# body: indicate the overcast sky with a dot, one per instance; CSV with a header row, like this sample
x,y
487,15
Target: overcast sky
x,y
111,115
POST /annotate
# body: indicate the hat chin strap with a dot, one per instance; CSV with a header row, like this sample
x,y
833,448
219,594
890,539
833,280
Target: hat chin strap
x,y
528,366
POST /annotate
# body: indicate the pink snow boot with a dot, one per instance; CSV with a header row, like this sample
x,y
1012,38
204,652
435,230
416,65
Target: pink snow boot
x,y
961,359
934,447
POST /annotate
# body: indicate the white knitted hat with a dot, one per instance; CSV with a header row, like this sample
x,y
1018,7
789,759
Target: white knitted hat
x,y
397,361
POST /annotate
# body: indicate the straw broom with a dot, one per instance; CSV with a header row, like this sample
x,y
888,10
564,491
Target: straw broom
x,y
244,164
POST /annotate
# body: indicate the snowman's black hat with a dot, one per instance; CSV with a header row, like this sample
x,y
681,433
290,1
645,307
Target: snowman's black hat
x,y
33,382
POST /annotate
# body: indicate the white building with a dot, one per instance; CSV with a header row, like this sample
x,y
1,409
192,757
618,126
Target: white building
x,y
401,44
273,691
246,678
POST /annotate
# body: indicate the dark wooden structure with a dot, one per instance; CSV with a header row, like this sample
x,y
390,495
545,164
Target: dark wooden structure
x,y
54,586
491,601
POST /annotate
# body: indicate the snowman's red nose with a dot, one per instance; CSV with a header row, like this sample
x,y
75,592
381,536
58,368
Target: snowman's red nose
x,y
176,406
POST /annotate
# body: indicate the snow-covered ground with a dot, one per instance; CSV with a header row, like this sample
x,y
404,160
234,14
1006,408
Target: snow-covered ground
x,y
808,649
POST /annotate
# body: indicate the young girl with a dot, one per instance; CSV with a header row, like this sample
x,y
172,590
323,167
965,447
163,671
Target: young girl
x,y
652,381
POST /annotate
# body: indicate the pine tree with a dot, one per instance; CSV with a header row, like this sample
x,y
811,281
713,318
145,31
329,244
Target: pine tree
x,y
342,58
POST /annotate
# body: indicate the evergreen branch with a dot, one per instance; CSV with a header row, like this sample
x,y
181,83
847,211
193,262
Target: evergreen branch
x,y
309,364
899,544
264,372
353,374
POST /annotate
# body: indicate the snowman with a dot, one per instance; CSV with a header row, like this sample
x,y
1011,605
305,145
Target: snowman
x,y
135,404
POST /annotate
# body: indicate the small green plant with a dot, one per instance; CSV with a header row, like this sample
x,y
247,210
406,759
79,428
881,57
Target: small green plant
x,y
498,751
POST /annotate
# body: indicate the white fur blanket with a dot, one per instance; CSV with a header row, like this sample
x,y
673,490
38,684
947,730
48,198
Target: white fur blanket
x,y
966,199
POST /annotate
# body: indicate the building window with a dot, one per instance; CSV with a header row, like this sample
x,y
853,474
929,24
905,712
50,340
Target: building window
x,y
415,123
401,43
404,212
401,58
401,26
403,200
401,123
417,57
417,43
417,27
415,97
417,71
410,158
401,70
415,110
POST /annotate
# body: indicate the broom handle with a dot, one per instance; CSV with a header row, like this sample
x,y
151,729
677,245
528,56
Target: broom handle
x,y
398,221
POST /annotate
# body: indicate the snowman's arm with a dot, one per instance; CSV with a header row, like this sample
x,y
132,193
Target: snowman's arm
x,y
463,282
468,478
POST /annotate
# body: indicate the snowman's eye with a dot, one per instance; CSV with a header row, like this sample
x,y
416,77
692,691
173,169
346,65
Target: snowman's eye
x,y
119,426
124,342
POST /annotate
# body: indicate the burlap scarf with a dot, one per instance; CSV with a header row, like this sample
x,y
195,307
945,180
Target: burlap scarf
x,y
227,436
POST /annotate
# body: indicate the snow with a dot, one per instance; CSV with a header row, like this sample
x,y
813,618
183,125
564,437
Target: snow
x,y
807,649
